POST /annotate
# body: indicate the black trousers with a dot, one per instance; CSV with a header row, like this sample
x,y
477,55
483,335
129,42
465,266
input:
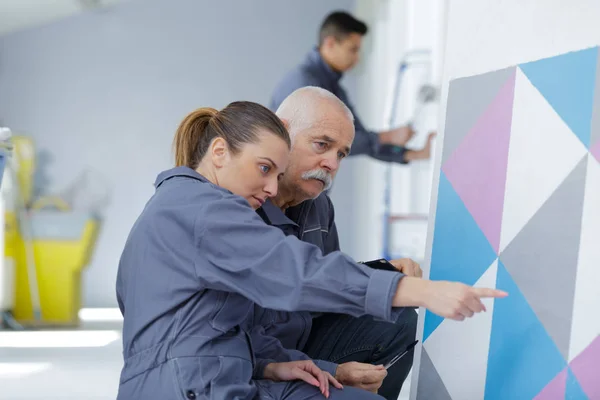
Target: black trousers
x,y
341,338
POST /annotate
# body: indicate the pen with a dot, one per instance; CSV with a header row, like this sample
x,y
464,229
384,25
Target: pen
x,y
399,356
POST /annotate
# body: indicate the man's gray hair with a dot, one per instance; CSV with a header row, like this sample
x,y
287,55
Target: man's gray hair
x,y
300,107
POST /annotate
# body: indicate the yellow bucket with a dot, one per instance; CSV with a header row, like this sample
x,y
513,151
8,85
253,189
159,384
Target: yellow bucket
x,y
58,262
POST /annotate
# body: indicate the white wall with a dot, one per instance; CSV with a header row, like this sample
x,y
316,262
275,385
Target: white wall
x,y
107,89
357,193
487,35
395,27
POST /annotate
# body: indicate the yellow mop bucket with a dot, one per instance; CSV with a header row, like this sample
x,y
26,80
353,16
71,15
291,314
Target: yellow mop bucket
x,y
62,246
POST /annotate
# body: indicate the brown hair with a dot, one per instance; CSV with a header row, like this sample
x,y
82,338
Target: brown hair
x,y
238,123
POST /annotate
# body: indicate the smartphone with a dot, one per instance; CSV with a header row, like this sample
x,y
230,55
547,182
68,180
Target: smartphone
x,y
399,356
381,263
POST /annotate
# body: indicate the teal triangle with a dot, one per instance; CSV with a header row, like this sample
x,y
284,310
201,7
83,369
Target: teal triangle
x,y
574,389
522,358
461,252
567,82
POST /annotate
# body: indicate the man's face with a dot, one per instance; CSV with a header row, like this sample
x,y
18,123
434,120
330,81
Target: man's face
x,y
346,52
317,151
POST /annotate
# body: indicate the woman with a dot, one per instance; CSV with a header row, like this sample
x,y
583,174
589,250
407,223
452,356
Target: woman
x,y
199,257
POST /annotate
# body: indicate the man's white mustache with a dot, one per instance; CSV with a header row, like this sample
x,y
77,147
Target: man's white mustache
x,y
320,175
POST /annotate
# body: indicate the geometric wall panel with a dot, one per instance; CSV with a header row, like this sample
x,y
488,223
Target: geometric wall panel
x,y
461,250
568,81
519,194
574,389
585,321
477,168
431,385
522,356
467,100
595,150
595,126
468,352
543,151
586,368
542,259
556,389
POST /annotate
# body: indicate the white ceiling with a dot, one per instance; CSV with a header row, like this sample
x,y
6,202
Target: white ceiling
x,y
21,14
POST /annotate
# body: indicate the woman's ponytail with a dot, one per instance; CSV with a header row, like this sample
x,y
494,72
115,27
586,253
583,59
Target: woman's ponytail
x,y
189,137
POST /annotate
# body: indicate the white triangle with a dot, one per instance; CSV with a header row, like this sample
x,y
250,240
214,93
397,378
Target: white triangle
x,y
542,152
585,325
459,350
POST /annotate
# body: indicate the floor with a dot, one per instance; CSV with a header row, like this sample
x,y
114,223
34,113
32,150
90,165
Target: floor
x,y
90,372
83,364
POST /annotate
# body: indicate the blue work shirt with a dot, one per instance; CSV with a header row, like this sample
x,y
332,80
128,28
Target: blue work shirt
x,y
196,265
315,224
314,71
312,221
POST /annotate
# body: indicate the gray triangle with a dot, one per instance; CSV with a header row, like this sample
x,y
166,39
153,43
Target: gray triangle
x,y
430,384
542,258
468,98
595,135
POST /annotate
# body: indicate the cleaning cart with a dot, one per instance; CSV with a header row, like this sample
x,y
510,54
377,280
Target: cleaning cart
x,y
49,244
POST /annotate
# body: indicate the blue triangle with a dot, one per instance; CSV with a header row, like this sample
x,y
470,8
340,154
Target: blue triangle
x,y
522,358
461,252
574,390
567,82
432,321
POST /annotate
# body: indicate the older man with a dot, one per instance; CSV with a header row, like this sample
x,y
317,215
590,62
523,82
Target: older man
x,y
322,131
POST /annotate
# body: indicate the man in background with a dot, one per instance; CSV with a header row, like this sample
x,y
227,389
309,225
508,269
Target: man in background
x,y
340,40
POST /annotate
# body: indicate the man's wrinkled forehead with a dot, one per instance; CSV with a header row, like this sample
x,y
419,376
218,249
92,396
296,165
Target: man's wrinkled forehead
x,y
322,117
335,124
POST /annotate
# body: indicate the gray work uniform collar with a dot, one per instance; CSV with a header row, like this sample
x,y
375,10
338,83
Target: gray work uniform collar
x,y
275,216
178,171
314,58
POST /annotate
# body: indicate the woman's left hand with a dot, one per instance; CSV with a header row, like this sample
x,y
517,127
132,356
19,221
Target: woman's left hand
x,y
305,370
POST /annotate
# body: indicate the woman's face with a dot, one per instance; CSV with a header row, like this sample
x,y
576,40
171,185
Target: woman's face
x,y
254,171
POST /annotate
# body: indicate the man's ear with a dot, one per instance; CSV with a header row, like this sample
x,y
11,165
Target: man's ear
x,y
219,151
286,123
328,42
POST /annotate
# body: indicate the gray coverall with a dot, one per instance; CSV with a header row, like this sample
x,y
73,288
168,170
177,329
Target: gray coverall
x,y
196,266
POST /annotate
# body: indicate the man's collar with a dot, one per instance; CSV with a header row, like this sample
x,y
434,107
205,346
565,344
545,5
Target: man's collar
x,y
178,171
315,58
275,216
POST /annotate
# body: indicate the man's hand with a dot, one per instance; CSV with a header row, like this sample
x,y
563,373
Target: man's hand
x,y
424,153
364,376
452,300
408,267
399,136
305,370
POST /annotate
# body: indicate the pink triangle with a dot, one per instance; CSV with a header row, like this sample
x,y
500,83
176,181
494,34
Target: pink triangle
x,y
595,150
586,368
477,168
556,389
